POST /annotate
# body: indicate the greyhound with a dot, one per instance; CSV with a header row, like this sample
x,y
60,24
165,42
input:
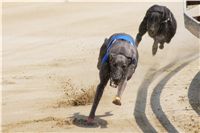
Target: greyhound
x,y
160,24
117,61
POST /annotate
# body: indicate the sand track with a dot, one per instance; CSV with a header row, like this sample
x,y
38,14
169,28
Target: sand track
x,y
50,53
140,106
155,99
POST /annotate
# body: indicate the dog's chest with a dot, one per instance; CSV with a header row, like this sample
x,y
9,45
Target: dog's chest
x,y
160,38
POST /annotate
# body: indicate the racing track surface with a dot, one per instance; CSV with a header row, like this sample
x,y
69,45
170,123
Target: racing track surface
x,y
50,52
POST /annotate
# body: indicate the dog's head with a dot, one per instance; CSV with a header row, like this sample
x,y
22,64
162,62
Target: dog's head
x,y
153,23
118,67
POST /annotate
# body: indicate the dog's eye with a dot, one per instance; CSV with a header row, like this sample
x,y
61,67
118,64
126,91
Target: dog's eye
x,y
124,66
115,64
133,61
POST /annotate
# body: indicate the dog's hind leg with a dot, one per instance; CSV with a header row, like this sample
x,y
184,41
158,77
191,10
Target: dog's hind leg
x,y
161,45
155,47
104,77
102,53
121,88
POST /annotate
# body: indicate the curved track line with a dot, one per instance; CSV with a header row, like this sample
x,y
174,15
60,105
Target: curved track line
x,y
155,98
140,106
194,93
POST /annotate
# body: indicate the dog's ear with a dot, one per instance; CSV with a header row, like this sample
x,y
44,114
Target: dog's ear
x,y
166,14
111,56
105,40
163,14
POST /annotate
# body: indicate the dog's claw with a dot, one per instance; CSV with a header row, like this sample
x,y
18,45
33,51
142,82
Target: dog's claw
x,y
117,101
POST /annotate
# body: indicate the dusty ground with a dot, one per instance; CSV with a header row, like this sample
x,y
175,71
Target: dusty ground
x,y
50,53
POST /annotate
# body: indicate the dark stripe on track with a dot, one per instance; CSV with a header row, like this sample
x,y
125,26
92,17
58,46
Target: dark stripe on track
x,y
140,106
194,93
155,98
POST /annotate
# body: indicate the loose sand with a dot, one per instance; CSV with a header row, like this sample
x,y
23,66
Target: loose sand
x,y
50,53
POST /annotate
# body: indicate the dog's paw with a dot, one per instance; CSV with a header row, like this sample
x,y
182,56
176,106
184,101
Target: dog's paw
x,y
117,101
137,43
90,121
161,46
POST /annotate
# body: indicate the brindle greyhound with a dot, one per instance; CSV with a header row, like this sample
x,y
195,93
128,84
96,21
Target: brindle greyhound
x,y
117,61
160,24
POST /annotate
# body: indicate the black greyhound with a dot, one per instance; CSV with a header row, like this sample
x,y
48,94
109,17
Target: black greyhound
x,y
160,24
117,61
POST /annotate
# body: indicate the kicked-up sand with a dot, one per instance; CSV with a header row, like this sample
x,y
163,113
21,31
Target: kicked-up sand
x,y
50,52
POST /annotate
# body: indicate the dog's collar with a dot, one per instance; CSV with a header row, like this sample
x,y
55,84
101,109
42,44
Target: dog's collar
x,y
168,19
125,37
165,21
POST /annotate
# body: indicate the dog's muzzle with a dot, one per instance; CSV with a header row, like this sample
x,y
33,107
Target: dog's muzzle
x,y
112,83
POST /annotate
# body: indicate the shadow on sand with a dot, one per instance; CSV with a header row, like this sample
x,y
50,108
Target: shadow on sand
x,y
81,120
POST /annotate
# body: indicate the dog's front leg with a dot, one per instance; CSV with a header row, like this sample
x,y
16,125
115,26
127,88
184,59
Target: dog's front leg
x,y
142,30
98,95
155,47
120,91
104,77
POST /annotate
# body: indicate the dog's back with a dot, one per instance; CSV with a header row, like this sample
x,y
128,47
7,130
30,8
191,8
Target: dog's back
x,y
119,43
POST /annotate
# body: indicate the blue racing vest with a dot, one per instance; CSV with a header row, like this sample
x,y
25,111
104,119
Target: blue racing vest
x,y
125,37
